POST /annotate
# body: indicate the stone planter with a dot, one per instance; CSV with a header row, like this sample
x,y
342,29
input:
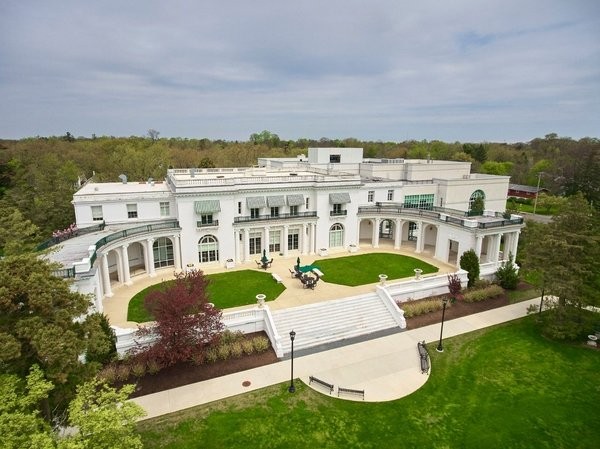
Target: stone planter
x,y
592,340
260,300
229,263
418,273
352,248
382,279
323,252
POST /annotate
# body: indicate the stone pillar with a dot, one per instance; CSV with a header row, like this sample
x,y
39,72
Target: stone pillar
x,y
236,246
420,240
267,238
496,250
150,258
478,241
397,233
246,244
312,240
177,251
125,264
515,244
284,239
105,275
376,224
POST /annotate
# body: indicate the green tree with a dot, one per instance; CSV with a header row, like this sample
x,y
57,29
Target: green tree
x,y
470,263
17,235
563,259
507,274
497,168
21,426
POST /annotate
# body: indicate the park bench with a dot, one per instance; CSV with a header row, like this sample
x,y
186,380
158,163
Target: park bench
x,y
351,391
424,356
312,379
277,278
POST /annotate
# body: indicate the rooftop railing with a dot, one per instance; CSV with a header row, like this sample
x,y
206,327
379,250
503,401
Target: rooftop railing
x,y
248,218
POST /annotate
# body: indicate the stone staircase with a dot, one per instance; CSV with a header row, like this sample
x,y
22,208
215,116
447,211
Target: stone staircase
x,y
332,321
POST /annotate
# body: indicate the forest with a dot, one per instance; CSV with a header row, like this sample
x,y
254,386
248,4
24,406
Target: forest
x,y
38,175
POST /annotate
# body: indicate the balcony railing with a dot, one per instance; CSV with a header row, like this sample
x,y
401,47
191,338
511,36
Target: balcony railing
x,y
80,231
338,213
199,224
285,216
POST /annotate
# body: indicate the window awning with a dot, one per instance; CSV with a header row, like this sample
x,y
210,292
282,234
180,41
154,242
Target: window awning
x,y
339,198
276,201
255,202
295,200
207,206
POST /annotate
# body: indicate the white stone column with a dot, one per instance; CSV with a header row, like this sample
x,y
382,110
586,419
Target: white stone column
x,y
236,245
478,241
397,233
177,251
150,258
376,224
312,240
284,239
515,244
105,275
267,239
125,264
420,237
246,244
496,250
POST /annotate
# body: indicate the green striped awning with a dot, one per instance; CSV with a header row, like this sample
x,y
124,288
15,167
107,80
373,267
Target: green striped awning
x,y
295,200
255,202
207,206
276,201
339,198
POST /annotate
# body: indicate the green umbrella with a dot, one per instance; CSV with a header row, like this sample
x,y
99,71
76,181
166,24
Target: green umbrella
x,y
264,257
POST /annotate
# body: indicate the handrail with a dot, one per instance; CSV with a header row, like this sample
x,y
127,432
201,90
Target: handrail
x,y
80,231
247,218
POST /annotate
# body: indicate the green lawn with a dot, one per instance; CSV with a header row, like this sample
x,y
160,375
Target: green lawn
x,y
366,268
230,289
499,387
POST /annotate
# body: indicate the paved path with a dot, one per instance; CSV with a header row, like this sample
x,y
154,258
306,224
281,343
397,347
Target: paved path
x,y
386,368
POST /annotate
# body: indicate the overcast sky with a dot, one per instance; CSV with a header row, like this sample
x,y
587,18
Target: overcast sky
x,y
466,70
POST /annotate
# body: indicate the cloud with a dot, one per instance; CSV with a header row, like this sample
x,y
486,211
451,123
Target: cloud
x,y
503,70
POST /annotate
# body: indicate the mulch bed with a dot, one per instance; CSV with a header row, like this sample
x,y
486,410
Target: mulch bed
x,y
187,373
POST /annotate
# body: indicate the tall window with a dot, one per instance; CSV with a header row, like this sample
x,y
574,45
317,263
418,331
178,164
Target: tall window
x,y
208,249
163,252
293,239
275,241
254,212
335,158
206,219
337,209
97,213
239,207
424,201
293,210
336,236
370,196
306,204
274,212
477,202
390,195
132,211
165,209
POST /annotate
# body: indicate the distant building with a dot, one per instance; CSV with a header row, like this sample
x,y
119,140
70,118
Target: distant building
x,y
331,201
522,191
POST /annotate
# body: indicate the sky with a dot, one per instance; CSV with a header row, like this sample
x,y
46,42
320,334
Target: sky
x,y
460,70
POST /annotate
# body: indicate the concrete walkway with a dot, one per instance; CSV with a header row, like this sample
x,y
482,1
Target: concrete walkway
x,y
387,368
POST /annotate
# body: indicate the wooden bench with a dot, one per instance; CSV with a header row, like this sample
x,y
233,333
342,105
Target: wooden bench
x,y
312,379
277,278
317,272
424,356
351,391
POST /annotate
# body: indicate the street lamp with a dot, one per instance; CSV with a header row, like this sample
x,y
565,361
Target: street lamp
x,y
440,348
292,389
537,192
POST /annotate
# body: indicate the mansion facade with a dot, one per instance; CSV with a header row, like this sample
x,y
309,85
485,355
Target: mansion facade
x,y
329,201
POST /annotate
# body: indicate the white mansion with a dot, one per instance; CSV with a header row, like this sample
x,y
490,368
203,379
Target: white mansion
x,y
330,201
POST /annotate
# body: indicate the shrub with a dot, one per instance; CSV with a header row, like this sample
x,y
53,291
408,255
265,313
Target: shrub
x,y
228,336
108,373
260,343
247,347
507,275
198,358
123,372
212,355
223,351
236,349
153,366
138,368
481,283
470,263
483,294
421,307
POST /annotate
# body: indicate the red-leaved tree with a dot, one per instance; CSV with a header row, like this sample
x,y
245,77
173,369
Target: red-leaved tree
x,y
455,287
185,321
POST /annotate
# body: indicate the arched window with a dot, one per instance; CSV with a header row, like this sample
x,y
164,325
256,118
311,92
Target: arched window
x,y
336,236
163,252
477,203
208,249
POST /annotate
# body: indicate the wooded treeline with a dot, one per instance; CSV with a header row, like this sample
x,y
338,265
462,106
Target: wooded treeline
x,y
39,175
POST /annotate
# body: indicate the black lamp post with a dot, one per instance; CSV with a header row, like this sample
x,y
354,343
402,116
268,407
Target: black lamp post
x,y
292,389
440,348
